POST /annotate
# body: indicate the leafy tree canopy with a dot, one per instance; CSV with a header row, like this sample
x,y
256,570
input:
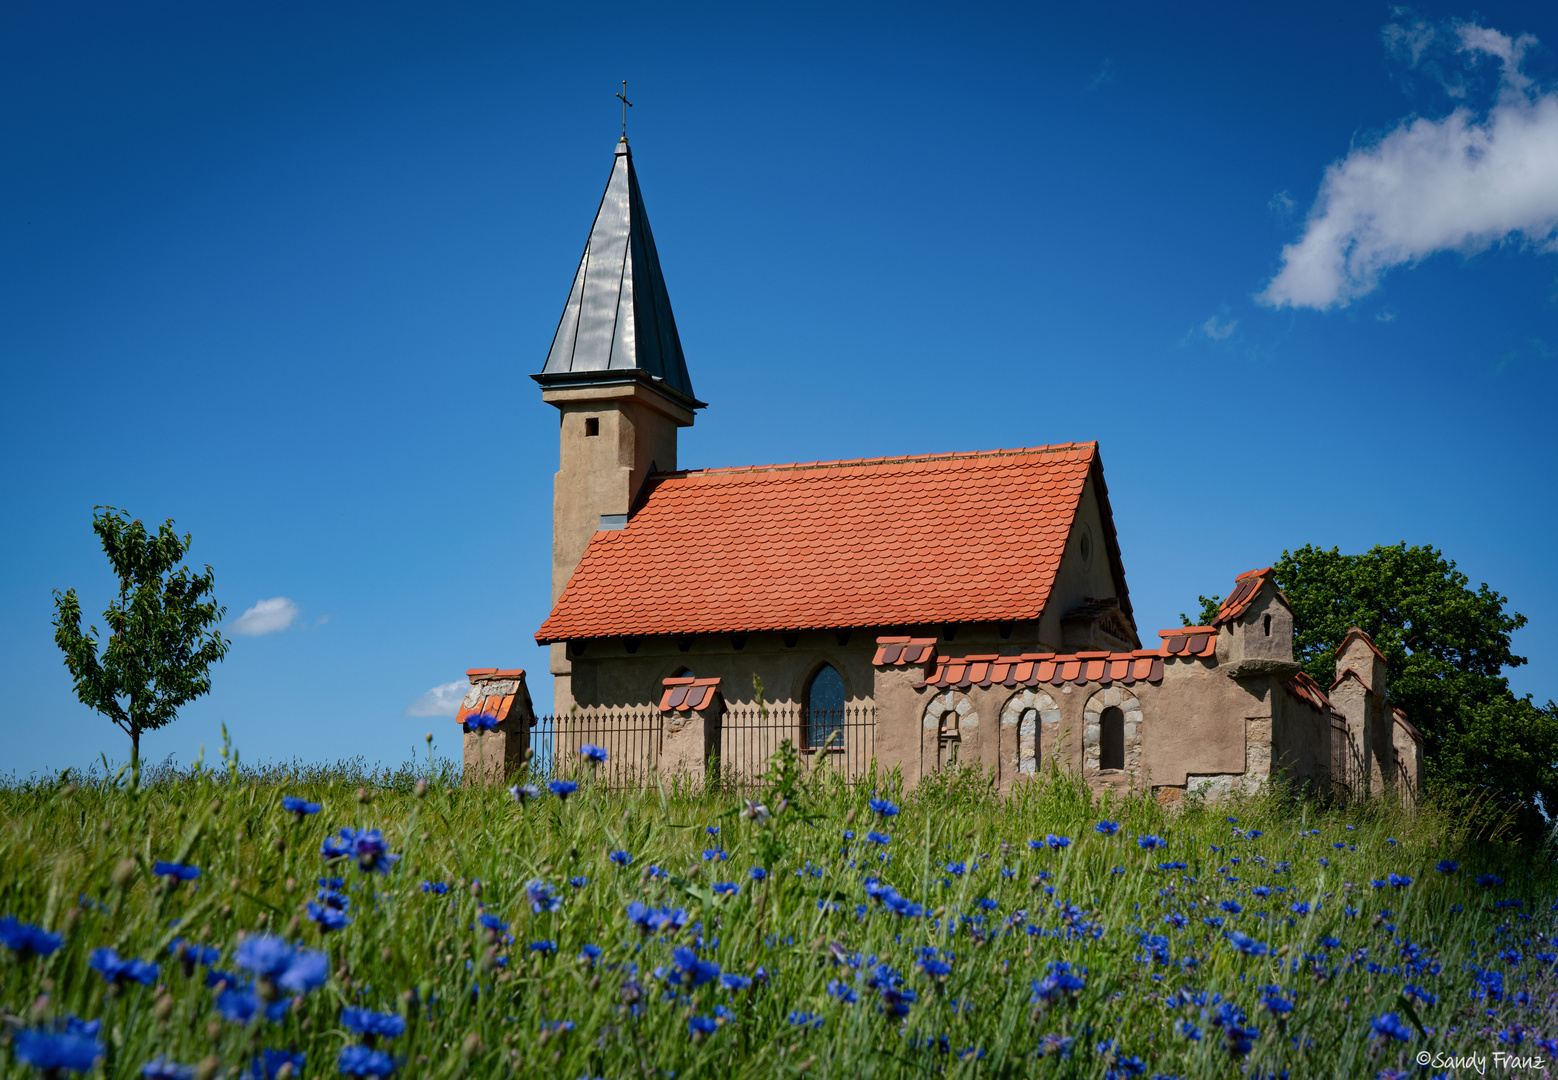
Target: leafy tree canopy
x,y
1447,647
161,641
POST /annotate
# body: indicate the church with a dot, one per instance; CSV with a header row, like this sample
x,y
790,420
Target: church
x,y
907,613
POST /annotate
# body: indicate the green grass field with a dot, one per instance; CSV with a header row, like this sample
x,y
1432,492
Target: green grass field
x,y
790,941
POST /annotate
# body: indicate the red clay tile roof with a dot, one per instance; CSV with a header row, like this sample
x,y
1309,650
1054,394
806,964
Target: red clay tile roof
x,y
1189,641
685,694
1246,585
1031,669
898,651
1306,690
880,542
496,692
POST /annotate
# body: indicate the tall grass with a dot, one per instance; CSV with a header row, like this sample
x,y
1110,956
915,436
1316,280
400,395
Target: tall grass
x,y
1163,990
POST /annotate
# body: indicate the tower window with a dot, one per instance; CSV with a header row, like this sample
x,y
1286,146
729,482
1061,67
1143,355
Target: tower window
x,y
592,426
1268,625
1111,739
823,724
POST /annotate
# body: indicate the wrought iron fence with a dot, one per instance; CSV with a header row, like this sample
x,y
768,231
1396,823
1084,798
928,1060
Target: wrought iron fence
x,y
843,740
630,737
738,743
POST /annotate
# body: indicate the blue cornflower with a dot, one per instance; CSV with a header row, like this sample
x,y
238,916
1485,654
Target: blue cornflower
x,y
290,968
540,895
714,855
300,808
1272,999
328,917
71,1044
691,969
163,1068
364,845
373,1024
479,722
1231,907
1108,828
192,954
731,981
956,869
578,881
883,808
595,755
437,888
757,873
712,830
562,788
1148,842
364,1061
1399,881
493,923
1247,945
175,872
1389,1026
106,963
1447,866
1329,942
523,793
1057,842
936,969
726,888
621,858
1489,881
26,940
1301,908
804,1019
266,1065
700,1026
987,903
1188,1030
545,946
878,838
843,991
589,953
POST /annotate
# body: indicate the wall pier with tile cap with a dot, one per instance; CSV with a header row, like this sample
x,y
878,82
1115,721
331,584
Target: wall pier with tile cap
x,y
690,738
497,754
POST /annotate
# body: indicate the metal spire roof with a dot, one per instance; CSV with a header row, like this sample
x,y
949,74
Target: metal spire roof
x,y
617,325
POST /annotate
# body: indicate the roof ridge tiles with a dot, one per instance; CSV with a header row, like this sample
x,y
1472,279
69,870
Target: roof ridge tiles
x,y
901,459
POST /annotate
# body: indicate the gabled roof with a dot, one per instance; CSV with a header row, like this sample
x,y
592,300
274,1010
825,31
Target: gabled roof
x,y
1305,689
617,325
684,694
1355,633
1031,669
493,692
948,538
1246,586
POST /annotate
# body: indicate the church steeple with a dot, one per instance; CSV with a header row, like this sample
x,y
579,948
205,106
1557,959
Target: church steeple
x,y
617,326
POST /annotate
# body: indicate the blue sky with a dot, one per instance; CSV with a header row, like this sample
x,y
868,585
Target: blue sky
x,y
281,271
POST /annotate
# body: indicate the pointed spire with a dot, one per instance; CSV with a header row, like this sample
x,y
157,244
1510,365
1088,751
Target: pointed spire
x,y
617,325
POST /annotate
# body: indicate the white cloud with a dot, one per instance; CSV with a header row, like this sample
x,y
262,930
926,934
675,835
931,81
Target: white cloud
x,y
442,700
1219,331
1462,183
266,617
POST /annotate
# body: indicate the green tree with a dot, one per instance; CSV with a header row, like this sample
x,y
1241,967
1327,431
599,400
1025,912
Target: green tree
x,y
161,641
1447,647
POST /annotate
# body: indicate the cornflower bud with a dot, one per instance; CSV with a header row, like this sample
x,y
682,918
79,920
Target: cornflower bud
x,y
420,791
124,873
163,1009
291,885
364,796
208,1064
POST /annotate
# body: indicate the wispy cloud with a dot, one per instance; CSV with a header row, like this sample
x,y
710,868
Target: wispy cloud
x,y
1105,74
1462,183
442,700
1219,329
267,617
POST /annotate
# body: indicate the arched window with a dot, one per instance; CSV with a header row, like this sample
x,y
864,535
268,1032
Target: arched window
x,y
822,728
1111,738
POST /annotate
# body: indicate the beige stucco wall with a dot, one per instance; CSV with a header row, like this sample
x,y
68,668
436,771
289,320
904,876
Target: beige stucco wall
x,y
1076,578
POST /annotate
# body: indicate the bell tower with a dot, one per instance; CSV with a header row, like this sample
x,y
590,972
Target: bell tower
x,y
618,378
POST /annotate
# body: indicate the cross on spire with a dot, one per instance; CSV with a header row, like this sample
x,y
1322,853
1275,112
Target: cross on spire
x,y
626,105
